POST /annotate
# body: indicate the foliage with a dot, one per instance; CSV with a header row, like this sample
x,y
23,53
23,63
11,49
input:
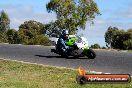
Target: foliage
x,y
39,40
103,47
4,21
73,14
29,30
53,29
32,32
95,46
3,37
118,39
13,37
4,26
33,27
128,44
23,36
129,31
109,35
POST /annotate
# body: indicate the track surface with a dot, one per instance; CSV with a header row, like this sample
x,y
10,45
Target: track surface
x,y
106,61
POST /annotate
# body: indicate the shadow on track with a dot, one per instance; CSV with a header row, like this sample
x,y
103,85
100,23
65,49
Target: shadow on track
x,y
48,56
61,57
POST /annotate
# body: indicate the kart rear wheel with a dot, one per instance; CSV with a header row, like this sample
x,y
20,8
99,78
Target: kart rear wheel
x,y
91,54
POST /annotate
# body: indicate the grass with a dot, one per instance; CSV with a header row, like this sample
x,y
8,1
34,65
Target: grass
x,y
129,50
20,75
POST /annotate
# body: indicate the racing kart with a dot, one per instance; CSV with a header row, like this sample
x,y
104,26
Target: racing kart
x,y
79,48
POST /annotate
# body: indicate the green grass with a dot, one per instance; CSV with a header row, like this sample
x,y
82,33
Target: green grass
x,y
20,75
129,50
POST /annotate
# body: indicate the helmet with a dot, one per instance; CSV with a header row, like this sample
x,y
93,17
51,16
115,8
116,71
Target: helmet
x,y
65,32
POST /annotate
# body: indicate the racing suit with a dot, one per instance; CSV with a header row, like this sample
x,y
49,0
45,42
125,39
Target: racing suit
x,y
62,43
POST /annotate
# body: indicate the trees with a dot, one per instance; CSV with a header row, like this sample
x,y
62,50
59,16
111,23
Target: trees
x,y
109,36
95,46
4,21
29,30
32,32
13,37
128,41
118,39
4,26
73,14
128,44
32,26
40,40
53,29
129,30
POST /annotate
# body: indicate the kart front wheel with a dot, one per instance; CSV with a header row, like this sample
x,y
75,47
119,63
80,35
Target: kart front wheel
x,y
91,54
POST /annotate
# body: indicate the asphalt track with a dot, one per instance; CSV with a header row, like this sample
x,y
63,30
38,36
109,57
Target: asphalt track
x,y
106,61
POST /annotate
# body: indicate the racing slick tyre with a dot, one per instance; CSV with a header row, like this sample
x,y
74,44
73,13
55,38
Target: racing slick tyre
x,y
91,54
